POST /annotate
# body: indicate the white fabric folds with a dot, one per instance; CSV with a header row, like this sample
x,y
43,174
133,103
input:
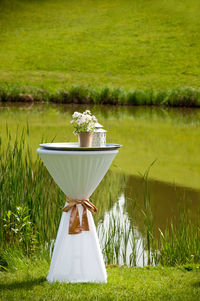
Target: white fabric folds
x,y
77,257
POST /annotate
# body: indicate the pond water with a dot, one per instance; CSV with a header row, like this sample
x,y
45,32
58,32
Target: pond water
x,y
139,200
167,137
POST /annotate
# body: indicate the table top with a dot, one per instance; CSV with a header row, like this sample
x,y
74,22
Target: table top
x,y
73,146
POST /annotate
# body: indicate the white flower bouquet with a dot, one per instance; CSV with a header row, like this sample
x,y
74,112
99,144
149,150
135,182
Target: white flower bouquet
x,y
83,122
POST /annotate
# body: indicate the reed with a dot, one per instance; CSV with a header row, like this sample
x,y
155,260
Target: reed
x,y
180,244
175,97
26,183
122,243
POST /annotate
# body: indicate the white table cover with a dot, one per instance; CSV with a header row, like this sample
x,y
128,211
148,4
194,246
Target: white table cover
x,y
78,257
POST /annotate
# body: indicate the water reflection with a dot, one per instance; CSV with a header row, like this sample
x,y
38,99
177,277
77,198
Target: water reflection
x,y
165,202
122,231
120,241
176,115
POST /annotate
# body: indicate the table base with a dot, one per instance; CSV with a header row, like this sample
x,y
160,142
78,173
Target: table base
x,y
77,257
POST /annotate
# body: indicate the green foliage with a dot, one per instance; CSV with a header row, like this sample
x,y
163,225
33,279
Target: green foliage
x,y
148,218
26,185
176,97
180,244
3,262
20,230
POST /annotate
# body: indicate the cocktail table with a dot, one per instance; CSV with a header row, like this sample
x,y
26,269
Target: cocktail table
x,y
77,257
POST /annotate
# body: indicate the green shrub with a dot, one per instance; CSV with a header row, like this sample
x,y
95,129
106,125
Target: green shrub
x,y
180,97
19,230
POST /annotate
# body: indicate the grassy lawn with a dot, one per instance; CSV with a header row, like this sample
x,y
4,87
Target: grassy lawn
x,y
116,43
28,282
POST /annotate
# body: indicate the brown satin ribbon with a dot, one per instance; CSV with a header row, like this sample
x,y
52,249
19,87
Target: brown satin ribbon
x,y
74,221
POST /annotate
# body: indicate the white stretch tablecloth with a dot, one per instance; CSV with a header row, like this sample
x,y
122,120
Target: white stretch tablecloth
x,y
77,258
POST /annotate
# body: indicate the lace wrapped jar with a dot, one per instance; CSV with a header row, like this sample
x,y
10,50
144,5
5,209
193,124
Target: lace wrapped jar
x,y
99,136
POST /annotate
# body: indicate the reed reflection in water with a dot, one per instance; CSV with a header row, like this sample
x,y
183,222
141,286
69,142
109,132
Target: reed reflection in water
x,y
120,240
130,230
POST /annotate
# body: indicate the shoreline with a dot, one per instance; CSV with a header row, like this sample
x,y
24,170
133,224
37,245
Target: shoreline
x,y
185,97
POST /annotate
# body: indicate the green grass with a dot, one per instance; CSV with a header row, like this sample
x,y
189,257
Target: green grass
x,y
142,44
28,282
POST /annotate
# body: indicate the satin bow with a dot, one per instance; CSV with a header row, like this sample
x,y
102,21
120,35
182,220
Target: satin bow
x,y
74,222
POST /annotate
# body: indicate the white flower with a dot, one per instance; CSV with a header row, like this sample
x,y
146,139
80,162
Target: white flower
x,y
82,119
75,115
87,112
88,118
94,118
83,122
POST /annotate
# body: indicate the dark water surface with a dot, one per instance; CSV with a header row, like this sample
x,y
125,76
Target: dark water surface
x,y
137,201
166,200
